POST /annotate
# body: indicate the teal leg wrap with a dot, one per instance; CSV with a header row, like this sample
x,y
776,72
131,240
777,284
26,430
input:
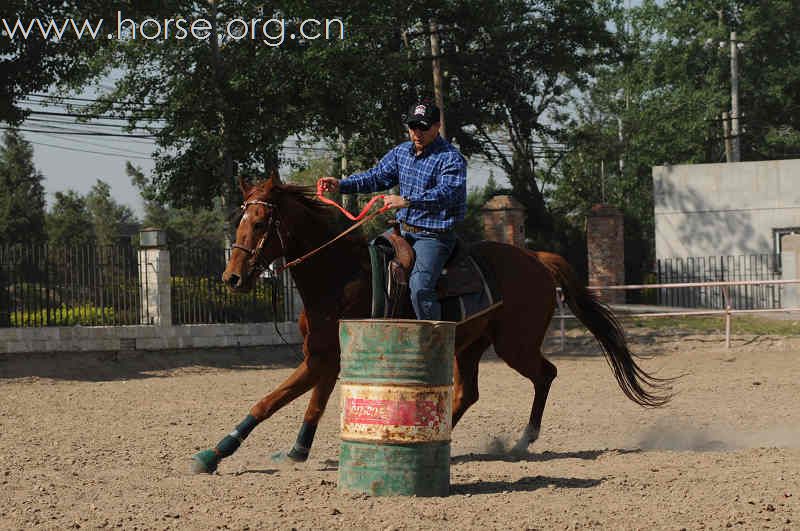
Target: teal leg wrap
x,y
231,442
207,460
302,446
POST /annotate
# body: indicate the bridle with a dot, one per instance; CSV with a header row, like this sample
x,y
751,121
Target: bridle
x,y
255,253
273,222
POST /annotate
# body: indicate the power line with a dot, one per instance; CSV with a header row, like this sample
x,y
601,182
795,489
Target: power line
x,y
88,151
78,133
93,100
121,151
64,122
75,115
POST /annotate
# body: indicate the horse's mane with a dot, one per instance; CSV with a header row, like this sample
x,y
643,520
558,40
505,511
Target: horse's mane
x,y
305,195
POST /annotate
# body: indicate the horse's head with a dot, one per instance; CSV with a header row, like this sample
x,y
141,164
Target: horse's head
x,y
259,241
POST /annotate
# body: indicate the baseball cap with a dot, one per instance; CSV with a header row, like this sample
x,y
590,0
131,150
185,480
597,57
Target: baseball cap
x,y
423,112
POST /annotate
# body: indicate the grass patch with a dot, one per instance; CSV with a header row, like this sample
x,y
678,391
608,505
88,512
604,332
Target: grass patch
x,y
740,324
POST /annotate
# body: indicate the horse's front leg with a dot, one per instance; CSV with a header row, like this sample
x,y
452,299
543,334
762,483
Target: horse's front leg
x,y
316,407
306,376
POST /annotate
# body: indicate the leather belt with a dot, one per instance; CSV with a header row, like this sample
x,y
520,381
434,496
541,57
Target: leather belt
x,y
411,228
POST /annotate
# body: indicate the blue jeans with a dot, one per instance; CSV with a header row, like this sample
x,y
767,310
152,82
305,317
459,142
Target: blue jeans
x,y
432,251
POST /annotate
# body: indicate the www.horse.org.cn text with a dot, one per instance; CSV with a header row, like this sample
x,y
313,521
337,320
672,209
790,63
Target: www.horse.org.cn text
x,y
270,31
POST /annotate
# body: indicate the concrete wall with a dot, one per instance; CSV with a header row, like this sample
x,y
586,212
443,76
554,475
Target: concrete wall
x,y
724,209
94,338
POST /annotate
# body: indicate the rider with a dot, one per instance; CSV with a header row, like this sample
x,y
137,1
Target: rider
x,y
432,175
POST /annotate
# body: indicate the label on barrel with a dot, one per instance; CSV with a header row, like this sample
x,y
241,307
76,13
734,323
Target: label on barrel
x,y
396,414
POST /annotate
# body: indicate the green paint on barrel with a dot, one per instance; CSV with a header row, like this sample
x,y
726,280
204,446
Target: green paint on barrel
x,y
396,376
395,469
397,351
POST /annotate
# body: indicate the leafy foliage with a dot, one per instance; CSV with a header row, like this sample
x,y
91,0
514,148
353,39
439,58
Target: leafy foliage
x,y
662,101
110,220
21,192
203,227
69,222
84,315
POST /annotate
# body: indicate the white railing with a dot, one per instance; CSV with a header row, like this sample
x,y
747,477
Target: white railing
x,y
728,311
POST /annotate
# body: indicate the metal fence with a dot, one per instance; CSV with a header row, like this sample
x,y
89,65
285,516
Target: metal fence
x,y
43,285
720,269
61,286
199,296
725,288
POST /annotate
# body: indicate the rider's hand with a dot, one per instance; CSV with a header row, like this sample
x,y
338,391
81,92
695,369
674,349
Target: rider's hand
x,y
329,184
395,201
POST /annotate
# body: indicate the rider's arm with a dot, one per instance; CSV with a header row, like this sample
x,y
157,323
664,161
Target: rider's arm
x,y
381,177
450,189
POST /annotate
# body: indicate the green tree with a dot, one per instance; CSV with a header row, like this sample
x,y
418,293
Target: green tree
x,y
471,228
21,192
109,219
34,63
662,103
514,68
197,226
69,222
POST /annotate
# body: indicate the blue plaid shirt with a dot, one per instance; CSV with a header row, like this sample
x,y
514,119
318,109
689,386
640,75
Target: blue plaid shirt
x,y
434,182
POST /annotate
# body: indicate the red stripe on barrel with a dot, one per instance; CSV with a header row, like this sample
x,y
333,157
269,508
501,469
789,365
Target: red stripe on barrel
x,y
392,412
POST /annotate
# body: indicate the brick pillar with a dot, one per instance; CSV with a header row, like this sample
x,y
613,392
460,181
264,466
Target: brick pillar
x,y
790,270
154,278
606,249
503,219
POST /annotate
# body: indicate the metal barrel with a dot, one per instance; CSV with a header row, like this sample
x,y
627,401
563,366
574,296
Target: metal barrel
x,y
397,388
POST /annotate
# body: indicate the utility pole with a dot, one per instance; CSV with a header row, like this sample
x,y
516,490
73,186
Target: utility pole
x,y
438,89
736,154
229,190
621,139
726,136
349,201
603,181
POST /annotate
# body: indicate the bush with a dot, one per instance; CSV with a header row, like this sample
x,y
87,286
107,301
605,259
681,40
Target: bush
x,y
85,315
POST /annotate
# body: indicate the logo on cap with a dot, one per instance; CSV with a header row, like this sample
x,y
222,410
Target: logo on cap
x,y
419,110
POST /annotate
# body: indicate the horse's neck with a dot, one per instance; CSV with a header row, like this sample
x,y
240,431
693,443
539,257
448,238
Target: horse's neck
x,y
321,276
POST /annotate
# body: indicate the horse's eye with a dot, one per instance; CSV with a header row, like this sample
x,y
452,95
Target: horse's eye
x,y
260,225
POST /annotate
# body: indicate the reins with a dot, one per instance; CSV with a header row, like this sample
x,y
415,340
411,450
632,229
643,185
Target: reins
x,y
274,223
361,218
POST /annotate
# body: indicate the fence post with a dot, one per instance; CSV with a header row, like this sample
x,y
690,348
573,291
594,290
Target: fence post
x,y
790,269
154,278
726,297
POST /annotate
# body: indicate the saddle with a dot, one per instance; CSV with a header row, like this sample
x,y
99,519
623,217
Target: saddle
x,y
464,288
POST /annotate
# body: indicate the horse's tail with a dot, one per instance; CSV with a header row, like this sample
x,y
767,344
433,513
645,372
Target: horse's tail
x,y
637,384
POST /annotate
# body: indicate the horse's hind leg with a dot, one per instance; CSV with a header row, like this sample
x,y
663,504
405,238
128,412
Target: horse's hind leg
x,y
530,363
542,378
465,378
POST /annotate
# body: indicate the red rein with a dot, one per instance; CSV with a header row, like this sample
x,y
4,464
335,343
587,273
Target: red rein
x,y
344,211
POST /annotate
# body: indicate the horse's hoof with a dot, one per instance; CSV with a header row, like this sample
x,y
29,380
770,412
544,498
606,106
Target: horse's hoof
x,y
298,456
205,462
291,456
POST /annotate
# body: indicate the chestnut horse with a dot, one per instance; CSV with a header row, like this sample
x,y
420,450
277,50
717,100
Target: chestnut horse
x,y
280,220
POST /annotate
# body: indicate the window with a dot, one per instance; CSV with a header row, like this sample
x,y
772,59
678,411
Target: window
x,y
777,234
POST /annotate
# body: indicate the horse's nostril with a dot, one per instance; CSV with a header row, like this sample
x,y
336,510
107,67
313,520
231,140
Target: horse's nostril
x,y
233,280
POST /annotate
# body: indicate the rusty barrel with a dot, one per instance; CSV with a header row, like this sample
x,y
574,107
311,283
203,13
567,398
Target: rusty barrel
x,y
396,387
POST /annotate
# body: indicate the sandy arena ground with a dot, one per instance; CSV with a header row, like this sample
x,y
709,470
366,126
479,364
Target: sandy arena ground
x,y
104,440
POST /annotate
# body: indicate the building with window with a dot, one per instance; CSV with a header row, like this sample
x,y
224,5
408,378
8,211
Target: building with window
x,y
724,221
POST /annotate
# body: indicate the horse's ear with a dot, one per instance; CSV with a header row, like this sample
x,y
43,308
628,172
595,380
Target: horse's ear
x,y
274,177
244,186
